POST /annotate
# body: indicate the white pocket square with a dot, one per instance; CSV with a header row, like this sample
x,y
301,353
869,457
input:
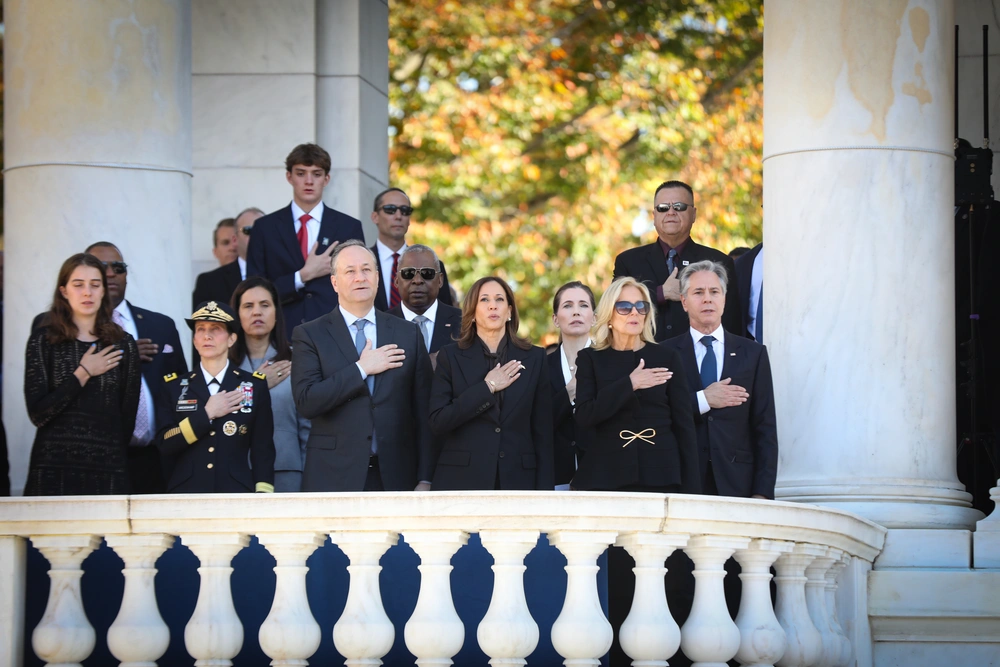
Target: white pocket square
x,y
168,348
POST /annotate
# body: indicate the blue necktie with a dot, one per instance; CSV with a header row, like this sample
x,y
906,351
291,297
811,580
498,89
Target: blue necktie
x,y
670,260
359,342
758,323
709,372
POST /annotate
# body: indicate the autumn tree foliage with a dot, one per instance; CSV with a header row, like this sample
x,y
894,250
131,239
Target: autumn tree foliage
x,y
531,134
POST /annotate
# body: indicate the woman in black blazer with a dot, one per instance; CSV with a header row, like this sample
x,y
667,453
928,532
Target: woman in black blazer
x,y
631,394
573,314
490,403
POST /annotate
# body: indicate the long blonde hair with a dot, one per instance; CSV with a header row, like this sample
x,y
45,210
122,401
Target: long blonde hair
x,y
602,329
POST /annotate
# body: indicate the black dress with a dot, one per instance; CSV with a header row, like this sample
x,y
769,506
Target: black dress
x,y
83,431
664,454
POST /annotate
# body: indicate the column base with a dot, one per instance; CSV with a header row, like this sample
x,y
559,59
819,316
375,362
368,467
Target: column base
x,y
919,548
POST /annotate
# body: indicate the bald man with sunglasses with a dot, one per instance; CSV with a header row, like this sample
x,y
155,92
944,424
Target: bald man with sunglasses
x,y
659,264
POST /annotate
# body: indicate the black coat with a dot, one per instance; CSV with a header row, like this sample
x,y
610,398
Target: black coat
x,y
744,277
477,440
217,284
565,450
742,441
648,264
215,456
447,325
275,254
607,405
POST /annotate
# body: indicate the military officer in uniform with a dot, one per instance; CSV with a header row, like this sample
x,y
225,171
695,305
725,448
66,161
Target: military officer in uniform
x,y
217,431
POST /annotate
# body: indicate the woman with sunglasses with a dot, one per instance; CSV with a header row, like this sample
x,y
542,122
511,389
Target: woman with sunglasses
x,y
490,405
81,387
261,346
632,396
573,314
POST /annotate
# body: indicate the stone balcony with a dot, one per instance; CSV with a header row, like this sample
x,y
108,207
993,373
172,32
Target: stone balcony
x,y
821,558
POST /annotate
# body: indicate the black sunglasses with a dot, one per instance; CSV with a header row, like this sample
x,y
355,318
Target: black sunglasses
x,y
409,273
677,206
390,209
625,307
246,230
117,267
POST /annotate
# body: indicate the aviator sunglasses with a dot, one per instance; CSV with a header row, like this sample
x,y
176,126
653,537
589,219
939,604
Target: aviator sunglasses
x,y
677,206
390,209
625,307
409,273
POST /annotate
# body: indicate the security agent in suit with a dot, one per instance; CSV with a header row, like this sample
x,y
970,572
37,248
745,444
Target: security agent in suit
x,y
419,282
219,284
216,429
363,377
391,216
292,246
750,280
659,264
729,379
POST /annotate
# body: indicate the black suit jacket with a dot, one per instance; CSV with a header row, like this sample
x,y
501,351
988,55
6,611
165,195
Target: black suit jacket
x,y
444,296
565,450
329,390
479,441
741,441
744,276
211,456
274,253
607,405
648,264
217,284
447,325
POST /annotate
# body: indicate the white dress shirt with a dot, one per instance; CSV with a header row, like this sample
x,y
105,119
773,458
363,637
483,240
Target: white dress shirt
x,y
312,231
567,372
719,348
243,268
756,281
213,389
128,323
370,330
385,268
430,314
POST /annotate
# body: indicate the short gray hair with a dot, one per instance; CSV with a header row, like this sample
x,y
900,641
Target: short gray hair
x,y
704,265
352,243
417,247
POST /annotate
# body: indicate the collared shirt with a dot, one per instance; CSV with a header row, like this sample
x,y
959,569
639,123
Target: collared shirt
x,y
430,313
128,323
756,282
385,268
567,372
213,389
312,231
370,330
665,247
243,268
719,348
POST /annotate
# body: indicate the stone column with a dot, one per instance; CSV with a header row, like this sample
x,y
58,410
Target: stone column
x,y
97,146
858,197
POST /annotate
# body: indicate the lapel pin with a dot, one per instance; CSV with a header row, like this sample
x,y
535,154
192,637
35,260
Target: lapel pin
x,y
138,316
685,263
732,354
326,241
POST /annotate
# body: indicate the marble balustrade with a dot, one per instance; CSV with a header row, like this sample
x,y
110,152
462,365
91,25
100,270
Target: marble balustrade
x,y
808,546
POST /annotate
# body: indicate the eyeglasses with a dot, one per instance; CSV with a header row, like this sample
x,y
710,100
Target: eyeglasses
x,y
409,273
390,209
625,307
246,230
677,206
117,267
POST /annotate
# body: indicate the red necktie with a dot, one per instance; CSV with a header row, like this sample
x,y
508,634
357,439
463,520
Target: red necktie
x,y
303,235
393,292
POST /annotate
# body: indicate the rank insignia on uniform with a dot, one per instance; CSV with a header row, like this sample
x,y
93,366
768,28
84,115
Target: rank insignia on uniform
x,y
244,429
247,403
259,375
229,428
170,378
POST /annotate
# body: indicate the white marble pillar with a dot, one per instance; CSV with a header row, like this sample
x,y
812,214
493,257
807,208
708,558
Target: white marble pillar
x,y
364,634
13,569
214,634
508,633
290,634
434,632
97,147
858,197
139,636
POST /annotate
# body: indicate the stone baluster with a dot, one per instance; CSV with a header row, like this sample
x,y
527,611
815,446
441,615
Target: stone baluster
x,y
434,633
805,644
214,635
508,633
844,655
650,635
290,634
816,603
581,634
64,636
762,641
709,636
139,636
364,633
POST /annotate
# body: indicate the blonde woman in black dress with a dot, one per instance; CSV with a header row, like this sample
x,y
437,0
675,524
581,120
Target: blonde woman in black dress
x,y
81,388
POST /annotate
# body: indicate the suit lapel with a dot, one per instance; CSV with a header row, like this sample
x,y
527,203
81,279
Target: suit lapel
x,y
327,230
515,392
230,380
385,332
443,329
657,262
338,330
690,361
381,304
286,232
732,356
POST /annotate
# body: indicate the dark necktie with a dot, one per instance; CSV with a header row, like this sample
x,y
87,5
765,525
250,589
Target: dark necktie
x,y
709,369
393,292
214,386
758,323
671,260
359,342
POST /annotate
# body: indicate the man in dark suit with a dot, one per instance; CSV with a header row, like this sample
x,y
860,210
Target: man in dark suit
x,y
419,281
391,216
729,379
364,378
750,280
219,284
658,264
291,247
